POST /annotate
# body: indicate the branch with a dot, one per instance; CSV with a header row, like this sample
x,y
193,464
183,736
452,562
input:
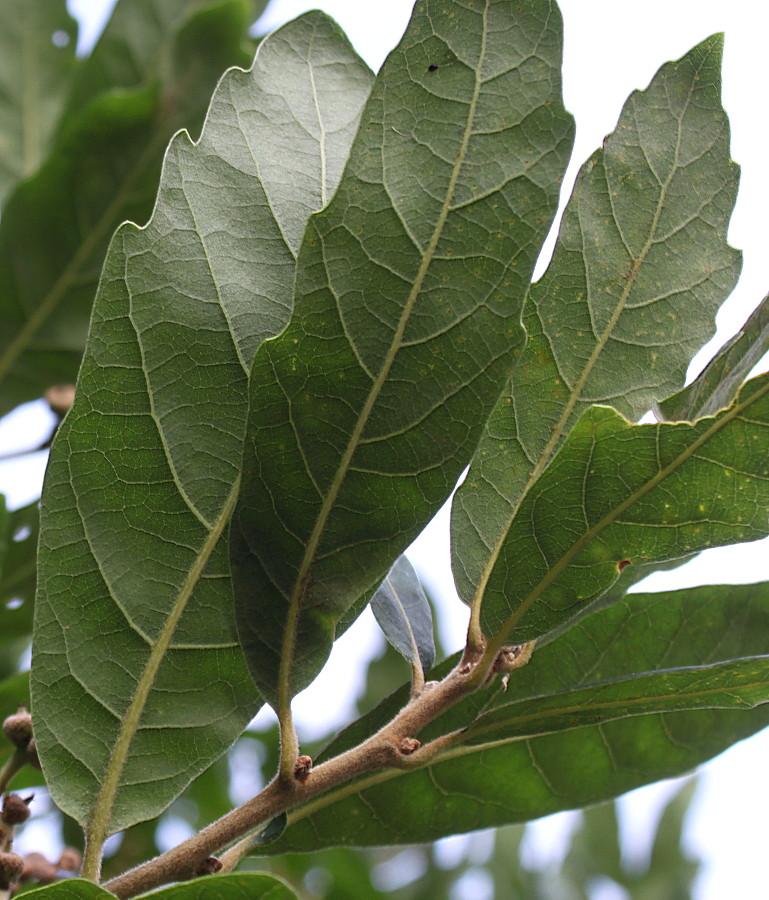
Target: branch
x,y
393,746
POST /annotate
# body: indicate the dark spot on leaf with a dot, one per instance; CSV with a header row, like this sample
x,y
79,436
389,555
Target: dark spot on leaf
x,y
622,563
432,67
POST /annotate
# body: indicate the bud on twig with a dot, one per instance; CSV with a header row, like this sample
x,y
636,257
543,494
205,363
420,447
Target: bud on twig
x,y
18,728
302,768
209,866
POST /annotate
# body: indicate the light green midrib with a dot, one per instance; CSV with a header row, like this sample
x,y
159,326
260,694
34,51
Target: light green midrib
x,y
574,395
289,638
555,570
572,708
97,829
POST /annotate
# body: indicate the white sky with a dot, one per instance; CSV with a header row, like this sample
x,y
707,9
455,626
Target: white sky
x,y
611,48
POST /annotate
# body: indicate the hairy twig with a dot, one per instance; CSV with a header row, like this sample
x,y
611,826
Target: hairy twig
x,y
392,747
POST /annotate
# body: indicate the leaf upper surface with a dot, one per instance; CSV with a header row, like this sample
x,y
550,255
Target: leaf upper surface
x,y
640,267
409,284
144,470
526,779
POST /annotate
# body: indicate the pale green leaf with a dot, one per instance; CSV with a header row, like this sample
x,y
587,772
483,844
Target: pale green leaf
x,y
618,494
70,889
403,612
408,297
717,384
139,679
248,886
639,270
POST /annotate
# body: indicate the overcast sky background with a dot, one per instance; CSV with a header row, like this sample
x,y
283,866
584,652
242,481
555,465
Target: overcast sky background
x,y
611,49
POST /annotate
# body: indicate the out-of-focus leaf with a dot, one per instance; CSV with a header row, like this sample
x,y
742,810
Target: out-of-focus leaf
x,y
37,60
70,889
618,494
102,170
403,612
139,679
639,270
249,886
716,386
410,283
18,555
526,779
134,48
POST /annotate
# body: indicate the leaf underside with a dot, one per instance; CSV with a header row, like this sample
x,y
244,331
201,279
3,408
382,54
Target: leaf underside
x,y
410,283
640,267
144,471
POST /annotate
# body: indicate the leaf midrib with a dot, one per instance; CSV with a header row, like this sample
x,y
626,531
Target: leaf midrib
x,y
610,517
289,637
97,829
459,750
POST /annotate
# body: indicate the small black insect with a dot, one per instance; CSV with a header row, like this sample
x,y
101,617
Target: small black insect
x,y
432,67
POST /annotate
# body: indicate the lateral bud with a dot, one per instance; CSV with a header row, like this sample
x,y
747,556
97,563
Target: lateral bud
x,y
302,768
210,866
408,745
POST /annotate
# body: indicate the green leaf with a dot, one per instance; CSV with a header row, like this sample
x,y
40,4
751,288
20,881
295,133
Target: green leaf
x,y
248,886
403,612
37,60
411,280
71,889
618,494
139,679
525,779
639,270
134,49
18,555
103,169
741,684
716,386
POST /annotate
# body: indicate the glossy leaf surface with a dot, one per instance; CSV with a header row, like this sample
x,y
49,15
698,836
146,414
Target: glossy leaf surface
x,y
403,612
409,284
640,267
144,470
523,779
